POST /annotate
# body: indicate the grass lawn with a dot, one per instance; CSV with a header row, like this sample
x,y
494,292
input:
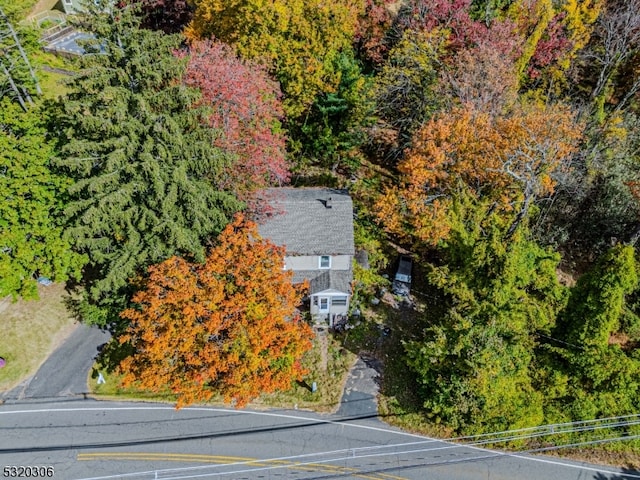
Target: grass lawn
x,y
31,330
327,364
52,83
48,69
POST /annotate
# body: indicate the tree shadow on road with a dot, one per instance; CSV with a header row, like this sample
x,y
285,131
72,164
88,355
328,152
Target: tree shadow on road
x,y
625,474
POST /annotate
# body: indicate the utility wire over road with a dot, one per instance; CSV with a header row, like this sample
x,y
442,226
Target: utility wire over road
x,y
366,462
86,439
104,441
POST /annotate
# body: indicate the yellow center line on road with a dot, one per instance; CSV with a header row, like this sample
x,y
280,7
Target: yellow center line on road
x,y
180,457
222,459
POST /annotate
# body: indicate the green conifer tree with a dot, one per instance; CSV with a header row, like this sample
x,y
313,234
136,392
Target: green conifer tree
x,y
144,166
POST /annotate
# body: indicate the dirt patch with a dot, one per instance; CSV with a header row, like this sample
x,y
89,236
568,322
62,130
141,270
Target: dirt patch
x,y
4,303
626,343
565,278
42,6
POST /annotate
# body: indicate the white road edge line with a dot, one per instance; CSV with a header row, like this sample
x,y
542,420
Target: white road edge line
x,y
320,421
220,410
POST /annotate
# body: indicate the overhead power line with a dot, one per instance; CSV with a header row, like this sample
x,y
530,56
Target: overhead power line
x,y
423,454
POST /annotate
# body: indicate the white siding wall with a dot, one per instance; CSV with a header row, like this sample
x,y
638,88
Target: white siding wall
x,y
312,262
333,309
301,262
341,262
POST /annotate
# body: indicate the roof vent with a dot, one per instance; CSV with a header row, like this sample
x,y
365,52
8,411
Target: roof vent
x,y
328,203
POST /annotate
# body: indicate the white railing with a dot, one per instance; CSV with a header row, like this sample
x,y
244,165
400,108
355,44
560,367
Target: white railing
x,y
52,15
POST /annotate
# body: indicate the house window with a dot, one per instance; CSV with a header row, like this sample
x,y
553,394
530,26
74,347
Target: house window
x,y
339,301
68,2
324,304
325,261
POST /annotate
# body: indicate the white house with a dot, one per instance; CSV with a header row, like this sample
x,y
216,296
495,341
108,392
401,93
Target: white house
x,y
315,225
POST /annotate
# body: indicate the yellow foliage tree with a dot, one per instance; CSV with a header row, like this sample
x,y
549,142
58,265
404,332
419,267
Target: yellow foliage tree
x,y
579,20
534,17
298,40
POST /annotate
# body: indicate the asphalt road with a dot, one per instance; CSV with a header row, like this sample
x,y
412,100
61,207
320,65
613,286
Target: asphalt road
x,y
85,439
48,421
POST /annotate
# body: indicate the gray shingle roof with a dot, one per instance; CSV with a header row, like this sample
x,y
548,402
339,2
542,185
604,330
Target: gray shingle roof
x,y
321,280
304,225
332,279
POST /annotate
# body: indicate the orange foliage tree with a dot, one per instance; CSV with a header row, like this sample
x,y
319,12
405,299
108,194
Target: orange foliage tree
x,y
510,160
228,326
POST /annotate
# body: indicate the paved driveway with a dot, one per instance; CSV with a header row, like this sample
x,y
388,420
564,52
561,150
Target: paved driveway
x,y
64,373
361,390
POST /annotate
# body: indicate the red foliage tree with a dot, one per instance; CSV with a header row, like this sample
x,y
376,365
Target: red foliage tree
x,y
554,44
464,32
482,79
450,14
372,29
229,326
245,106
483,76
